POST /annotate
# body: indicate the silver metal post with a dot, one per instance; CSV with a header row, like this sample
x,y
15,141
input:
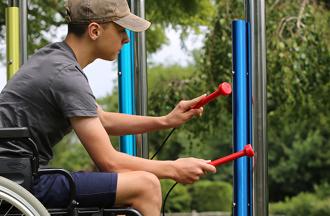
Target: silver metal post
x,y
23,31
141,83
255,14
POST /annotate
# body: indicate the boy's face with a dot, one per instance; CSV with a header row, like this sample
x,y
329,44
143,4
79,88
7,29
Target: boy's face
x,y
110,41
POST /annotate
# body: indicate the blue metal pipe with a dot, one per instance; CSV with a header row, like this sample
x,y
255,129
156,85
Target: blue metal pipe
x,y
126,90
240,116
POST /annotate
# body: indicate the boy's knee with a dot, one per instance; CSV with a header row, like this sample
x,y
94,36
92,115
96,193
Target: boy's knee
x,y
150,187
151,181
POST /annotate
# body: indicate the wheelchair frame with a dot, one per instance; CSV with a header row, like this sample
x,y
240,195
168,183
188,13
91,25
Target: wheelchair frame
x,y
23,170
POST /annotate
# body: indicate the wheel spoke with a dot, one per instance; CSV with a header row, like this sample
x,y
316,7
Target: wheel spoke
x,y
16,201
9,210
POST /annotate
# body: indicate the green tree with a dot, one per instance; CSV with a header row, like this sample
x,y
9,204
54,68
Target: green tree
x,y
198,137
298,66
313,204
179,199
298,88
298,62
71,155
211,196
45,16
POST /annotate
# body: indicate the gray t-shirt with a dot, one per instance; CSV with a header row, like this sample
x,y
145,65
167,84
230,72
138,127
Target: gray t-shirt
x,y
48,90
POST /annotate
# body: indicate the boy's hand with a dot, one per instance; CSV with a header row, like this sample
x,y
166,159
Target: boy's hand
x,y
183,112
189,170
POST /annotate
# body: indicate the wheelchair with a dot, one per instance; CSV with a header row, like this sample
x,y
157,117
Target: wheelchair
x,y
16,177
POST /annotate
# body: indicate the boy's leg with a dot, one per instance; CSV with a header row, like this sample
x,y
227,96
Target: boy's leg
x,y
93,189
140,190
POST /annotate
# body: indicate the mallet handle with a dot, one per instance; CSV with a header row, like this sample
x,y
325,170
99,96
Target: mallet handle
x,y
247,151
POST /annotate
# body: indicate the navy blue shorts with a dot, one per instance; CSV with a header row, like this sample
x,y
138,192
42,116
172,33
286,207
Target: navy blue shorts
x,y
93,189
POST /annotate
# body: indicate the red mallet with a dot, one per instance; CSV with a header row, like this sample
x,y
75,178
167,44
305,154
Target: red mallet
x,y
247,151
223,89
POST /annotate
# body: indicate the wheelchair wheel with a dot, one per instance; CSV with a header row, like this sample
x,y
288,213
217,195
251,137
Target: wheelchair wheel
x,y
15,200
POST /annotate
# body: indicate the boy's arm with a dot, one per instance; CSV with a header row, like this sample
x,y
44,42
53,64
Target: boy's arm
x,y
121,124
97,143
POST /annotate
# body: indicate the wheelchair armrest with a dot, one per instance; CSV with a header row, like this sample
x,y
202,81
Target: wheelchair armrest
x,y
69,177
14,133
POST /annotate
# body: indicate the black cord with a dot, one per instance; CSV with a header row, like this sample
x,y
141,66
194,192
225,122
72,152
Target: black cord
x,y
162,145
168,193
157,151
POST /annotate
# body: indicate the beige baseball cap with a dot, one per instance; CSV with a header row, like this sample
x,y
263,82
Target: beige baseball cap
x,y
102,11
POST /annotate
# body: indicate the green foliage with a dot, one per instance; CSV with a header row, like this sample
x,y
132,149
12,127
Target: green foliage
x,y
168,79
110,103
301,205
202,196
155,38
71,155
298,57
323,190
159,75
298,67
45,16
211,196
186,15
179,199
198,137
298,88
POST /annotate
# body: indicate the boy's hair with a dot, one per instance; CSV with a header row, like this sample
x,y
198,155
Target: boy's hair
x,y
77,29
80,29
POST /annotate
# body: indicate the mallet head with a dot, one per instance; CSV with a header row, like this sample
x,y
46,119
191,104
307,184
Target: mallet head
x,y
224,88
249,150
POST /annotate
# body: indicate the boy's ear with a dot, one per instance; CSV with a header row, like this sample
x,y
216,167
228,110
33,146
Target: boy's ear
x,y
94,30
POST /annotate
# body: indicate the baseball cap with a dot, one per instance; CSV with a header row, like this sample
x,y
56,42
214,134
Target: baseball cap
x,y
103,11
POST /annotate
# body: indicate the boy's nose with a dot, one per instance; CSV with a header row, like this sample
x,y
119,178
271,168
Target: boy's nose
x,y
125,38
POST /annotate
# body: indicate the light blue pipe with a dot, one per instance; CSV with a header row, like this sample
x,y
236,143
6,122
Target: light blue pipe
x,y
240,109
126,90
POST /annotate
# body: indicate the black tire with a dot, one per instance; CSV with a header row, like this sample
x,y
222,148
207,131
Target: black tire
x,y
16,200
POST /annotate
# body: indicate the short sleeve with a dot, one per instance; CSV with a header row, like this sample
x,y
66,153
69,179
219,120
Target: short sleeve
x,y
72,93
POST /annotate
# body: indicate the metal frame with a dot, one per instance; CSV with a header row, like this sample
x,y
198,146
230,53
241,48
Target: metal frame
x,y
141,82
133,84
23,30
255,15
16,22
250,117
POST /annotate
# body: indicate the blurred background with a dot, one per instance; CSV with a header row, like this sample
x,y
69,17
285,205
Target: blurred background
x,y
189,49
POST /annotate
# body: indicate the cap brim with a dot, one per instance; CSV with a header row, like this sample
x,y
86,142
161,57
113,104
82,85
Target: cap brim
x,y
133,23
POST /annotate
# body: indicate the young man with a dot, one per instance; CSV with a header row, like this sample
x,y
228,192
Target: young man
x,y
51,96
